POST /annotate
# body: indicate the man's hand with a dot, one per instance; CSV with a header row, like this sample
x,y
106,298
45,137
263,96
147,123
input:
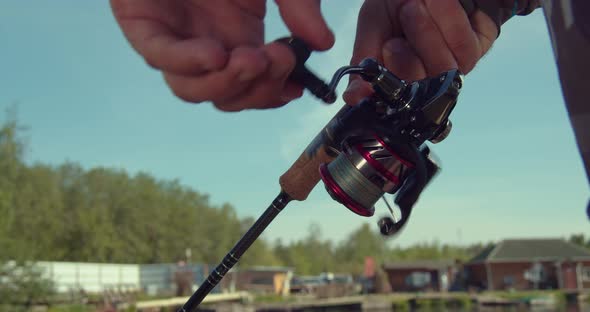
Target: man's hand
x,y
418,38
213,50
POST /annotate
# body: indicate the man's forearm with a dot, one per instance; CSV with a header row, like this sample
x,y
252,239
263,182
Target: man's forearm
x,y
569,26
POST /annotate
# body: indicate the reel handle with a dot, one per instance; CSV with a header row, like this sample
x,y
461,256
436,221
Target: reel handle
x,y
302,75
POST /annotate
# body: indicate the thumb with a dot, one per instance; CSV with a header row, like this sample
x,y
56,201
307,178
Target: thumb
x,y
304,19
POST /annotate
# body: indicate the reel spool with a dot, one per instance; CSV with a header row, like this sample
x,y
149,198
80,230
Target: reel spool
x,y
365,170
369,167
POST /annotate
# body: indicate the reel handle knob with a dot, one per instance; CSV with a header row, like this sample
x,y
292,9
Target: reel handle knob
x,y
302,75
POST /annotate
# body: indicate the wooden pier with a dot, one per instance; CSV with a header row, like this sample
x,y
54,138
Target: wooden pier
x,y
179,301
243,302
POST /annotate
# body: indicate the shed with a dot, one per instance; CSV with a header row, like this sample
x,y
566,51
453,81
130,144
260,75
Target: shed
x,y
261,279
420,275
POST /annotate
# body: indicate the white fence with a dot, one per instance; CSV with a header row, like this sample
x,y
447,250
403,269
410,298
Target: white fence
x,y
91,277
99,277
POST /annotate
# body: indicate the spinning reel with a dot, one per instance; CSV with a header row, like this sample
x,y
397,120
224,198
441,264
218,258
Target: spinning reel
x,y
375,147
380,142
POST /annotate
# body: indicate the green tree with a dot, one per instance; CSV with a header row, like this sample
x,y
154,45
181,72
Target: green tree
x,y
69,213
37,209
11,154
580,240
260,253
363,242
311,255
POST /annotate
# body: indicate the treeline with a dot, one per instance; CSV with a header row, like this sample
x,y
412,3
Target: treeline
x,y
67,213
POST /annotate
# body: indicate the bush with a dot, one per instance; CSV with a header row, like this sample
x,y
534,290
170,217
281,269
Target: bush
x,y
560,298
271,298
401,305
11,308
462,303
424,304
22,284
70,308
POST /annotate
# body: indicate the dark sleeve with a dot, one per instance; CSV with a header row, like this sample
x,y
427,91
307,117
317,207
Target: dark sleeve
x,y
569,26
500,11
510,8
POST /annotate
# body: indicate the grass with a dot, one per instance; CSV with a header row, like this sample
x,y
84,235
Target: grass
x,y
462,302
428,305
71,308
401,305
273,299
527,295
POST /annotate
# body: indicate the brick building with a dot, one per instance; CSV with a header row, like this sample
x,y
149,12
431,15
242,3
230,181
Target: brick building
x,y
530,264
420,275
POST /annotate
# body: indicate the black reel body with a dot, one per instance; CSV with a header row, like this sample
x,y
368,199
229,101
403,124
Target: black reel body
x,y
381,141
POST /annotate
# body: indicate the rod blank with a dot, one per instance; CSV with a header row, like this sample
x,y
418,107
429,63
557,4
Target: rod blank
x,y
234,255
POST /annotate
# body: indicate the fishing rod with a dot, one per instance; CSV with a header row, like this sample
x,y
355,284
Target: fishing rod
x,y
375,147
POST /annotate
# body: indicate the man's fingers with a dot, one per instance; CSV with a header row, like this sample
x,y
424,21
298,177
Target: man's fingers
x,y
272,88
401,59
242,84
423,34
304,19
370,36
372,31
262,96
486,30
244,67
165,51
357,90
455,27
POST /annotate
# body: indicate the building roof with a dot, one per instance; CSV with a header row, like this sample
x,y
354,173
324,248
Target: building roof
x,y
419,264
531,250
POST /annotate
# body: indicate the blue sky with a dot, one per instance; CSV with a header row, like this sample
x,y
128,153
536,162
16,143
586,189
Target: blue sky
x,y
510,167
